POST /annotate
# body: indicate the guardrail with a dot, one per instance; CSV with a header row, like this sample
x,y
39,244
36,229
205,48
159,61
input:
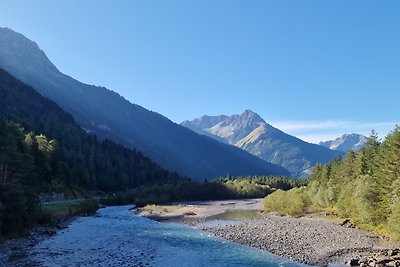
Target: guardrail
x,y
63,201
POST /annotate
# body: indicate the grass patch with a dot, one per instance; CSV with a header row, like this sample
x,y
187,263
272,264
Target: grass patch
x,y
57,211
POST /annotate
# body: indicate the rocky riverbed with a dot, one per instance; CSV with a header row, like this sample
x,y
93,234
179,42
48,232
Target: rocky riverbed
x,y
305,240
313,240
14,252
117,237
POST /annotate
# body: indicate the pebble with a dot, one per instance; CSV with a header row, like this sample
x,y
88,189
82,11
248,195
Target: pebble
x,y
315,242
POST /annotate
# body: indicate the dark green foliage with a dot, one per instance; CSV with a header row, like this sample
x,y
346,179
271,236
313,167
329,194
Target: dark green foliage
x,y
364,186
65,155
86,207
18,209
186,190
58,211
110,116
43,150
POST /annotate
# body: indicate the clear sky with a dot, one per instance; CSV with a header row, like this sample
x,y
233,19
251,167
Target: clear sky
x,y
316,69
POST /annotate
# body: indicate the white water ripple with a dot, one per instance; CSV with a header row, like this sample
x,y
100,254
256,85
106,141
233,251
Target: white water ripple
x,y
117,237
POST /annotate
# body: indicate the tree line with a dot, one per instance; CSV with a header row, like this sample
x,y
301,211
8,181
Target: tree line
x,y
218,189
363,186
44,151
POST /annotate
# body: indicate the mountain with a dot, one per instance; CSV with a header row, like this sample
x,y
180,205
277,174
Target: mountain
x,y
250,132
345,142
108,115
55,155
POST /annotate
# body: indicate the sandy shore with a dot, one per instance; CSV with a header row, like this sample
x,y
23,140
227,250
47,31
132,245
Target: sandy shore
x,y
313,240
194,212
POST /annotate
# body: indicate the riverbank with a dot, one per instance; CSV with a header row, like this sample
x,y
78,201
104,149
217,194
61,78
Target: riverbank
x,y
117,237
313,240
13,252
194,212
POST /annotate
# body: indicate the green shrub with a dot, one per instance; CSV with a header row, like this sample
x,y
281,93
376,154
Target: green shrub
x,y
87,207
293,202
394,222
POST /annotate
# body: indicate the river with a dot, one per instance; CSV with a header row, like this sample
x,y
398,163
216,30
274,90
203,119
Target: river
x,y
117,237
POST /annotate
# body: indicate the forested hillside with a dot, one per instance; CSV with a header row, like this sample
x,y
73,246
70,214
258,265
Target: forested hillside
x,y
110,116
68,156
43,150
364,186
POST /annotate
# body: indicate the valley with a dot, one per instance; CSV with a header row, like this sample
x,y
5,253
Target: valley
x,y
185,133
251,133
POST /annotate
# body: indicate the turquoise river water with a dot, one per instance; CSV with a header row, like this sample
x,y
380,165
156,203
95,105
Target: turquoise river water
x,y
117,237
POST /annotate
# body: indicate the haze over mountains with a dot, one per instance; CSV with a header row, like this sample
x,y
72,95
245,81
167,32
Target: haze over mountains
x,y
109,115
250,132
51,153
345,142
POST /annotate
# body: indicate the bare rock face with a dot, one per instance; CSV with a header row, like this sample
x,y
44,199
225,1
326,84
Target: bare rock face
x,y
250,132
345,142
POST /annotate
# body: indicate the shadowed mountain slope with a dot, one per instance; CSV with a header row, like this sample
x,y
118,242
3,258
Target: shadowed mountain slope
x,y
108,115
250,132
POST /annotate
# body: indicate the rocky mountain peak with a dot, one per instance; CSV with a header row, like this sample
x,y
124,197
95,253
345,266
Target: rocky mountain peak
x,y
250,132
229,128
345,142
250,117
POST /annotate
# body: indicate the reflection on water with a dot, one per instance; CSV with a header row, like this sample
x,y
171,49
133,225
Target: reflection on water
x,y
117,237
236,215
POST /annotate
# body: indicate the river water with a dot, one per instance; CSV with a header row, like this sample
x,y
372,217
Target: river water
x,y
117,237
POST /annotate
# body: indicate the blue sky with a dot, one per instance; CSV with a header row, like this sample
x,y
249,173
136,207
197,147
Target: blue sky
x,y
316,69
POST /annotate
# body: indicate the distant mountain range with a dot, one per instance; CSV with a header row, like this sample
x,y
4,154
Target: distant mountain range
x,y
250,132
108,115
345,142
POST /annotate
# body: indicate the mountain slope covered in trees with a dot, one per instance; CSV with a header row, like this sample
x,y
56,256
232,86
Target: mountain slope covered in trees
x,y
250,132
364,186
66,154
108,115
43,150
